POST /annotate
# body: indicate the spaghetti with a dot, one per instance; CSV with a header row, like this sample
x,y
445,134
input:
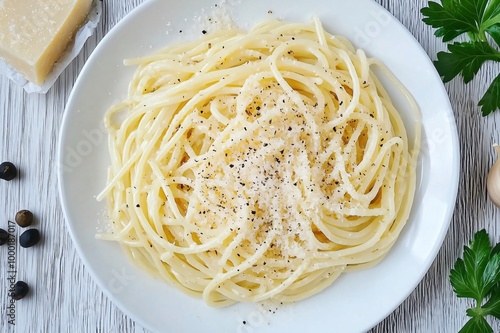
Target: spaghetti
x,y
258,165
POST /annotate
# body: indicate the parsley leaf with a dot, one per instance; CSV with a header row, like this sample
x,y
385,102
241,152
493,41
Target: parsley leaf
x,y
492,13
476,19
476,325
494,32
455,17
449,22
467,275
492,307
465,59
477,276
491,274
491,99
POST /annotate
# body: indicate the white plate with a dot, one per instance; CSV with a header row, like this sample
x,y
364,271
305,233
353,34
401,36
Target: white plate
x,y
357,301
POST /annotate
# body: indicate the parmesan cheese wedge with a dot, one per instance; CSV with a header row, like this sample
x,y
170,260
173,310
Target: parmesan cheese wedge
x,y
34,33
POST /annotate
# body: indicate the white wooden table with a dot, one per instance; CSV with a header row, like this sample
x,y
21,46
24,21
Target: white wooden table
x,y
64,298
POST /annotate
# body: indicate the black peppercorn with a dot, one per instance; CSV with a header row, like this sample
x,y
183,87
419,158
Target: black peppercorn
x,y
8,171
4,237
20,290
24,218
29,238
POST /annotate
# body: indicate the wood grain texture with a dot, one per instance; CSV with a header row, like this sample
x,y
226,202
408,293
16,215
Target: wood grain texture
x,y
66,299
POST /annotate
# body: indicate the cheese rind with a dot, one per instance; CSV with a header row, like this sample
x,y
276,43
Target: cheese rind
x,y
34,33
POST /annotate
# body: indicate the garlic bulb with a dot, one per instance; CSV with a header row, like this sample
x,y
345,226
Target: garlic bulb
x,y
493,180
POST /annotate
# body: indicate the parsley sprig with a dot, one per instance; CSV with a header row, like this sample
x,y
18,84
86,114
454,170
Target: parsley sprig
x,y
477,276
477,19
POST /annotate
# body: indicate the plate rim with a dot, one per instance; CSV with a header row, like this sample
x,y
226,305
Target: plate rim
x,y
64,198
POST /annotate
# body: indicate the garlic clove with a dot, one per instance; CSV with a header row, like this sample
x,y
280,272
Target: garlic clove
x,y
493,180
